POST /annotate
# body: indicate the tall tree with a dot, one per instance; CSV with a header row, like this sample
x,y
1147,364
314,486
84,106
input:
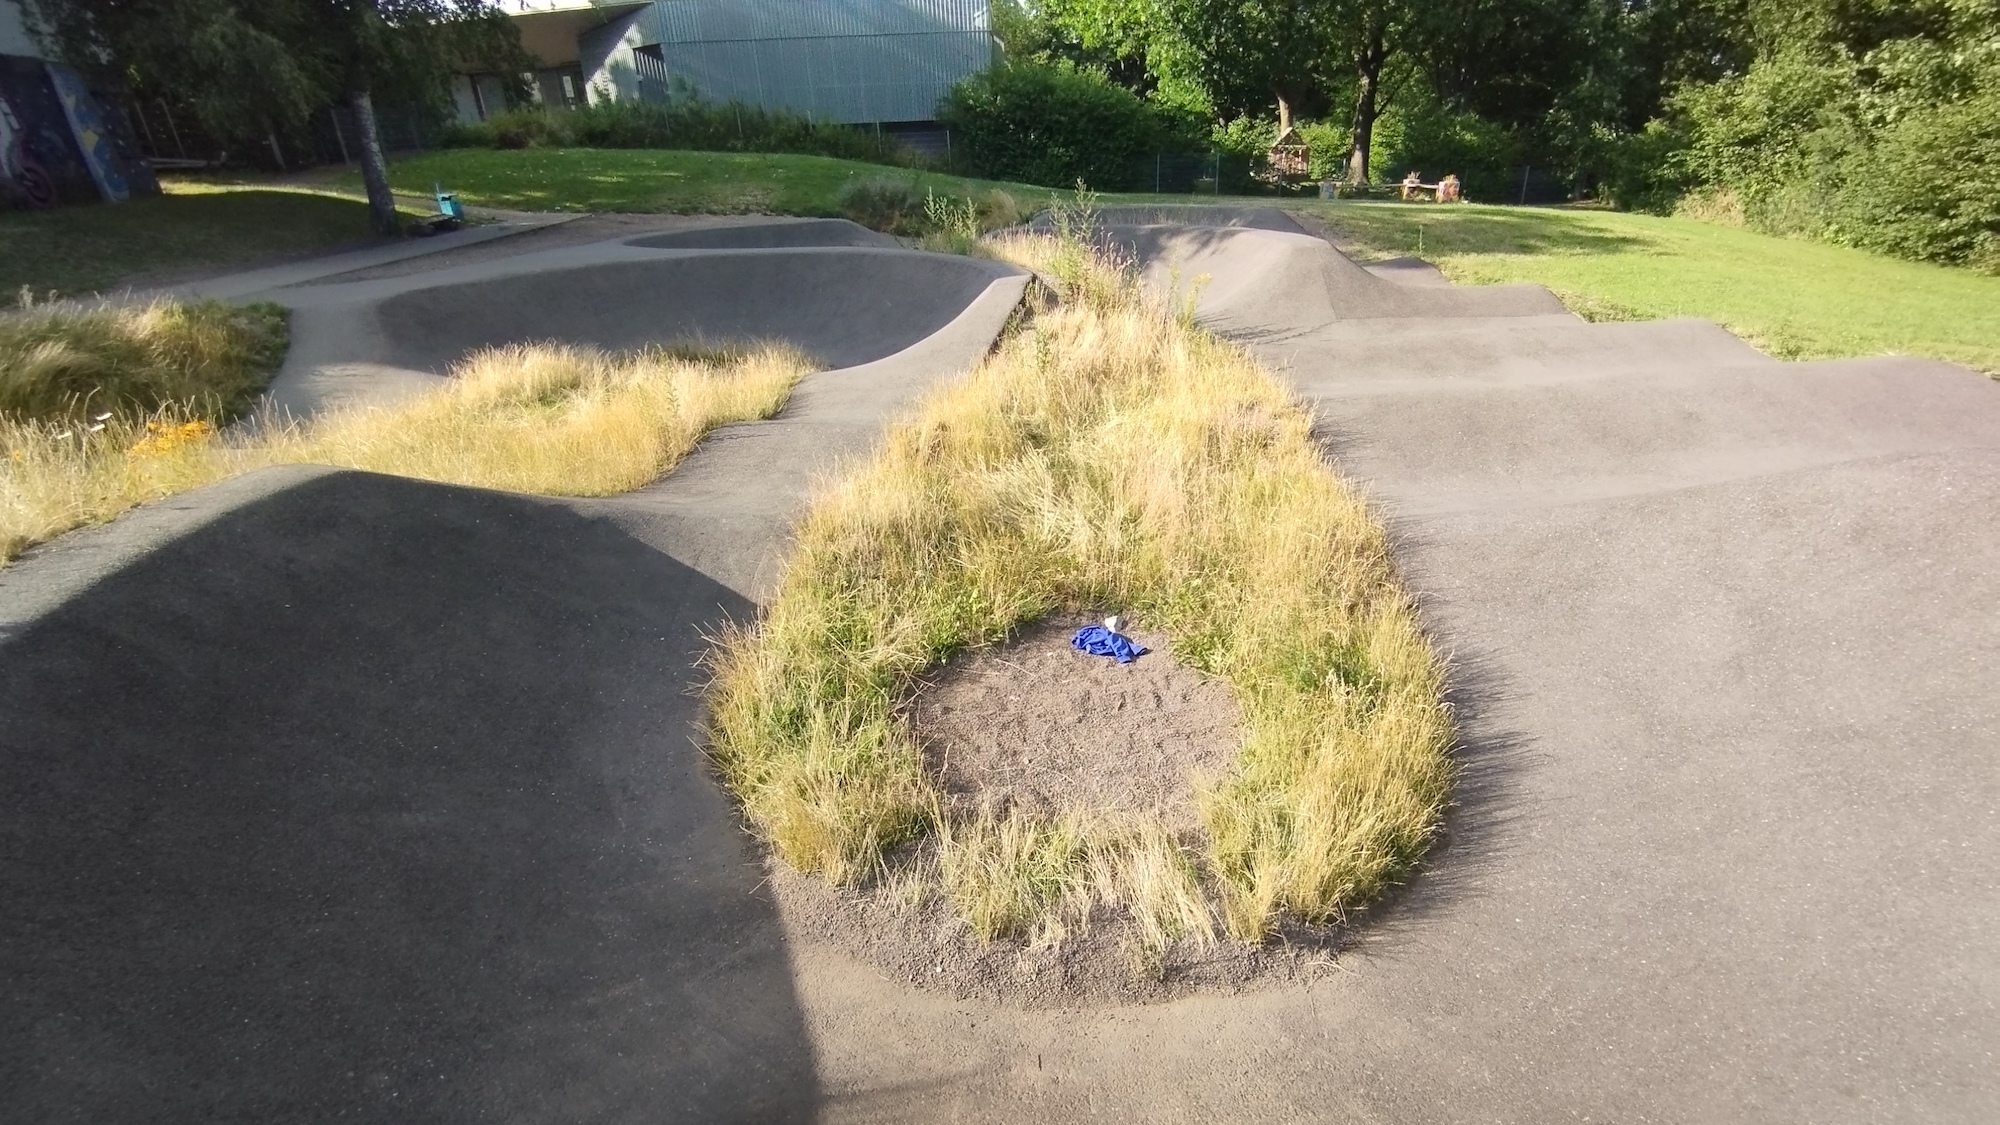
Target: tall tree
x,y
1375,31
1296,54
248,68
1253,54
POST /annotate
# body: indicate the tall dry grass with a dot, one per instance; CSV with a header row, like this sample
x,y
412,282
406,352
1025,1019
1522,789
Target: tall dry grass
x,y
1110,454
564,421
69,361
545,418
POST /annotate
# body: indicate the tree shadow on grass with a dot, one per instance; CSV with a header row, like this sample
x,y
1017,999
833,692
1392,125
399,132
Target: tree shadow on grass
x,y
375,798
171,238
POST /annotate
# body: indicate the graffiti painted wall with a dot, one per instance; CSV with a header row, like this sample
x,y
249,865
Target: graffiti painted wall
x,y
58,143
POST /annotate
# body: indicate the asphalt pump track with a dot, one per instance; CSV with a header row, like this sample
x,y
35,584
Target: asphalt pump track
x,y
332,794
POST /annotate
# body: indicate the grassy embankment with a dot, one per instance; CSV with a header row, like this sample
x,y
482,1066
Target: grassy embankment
x,y
207,225
1108,455
1793,299
549,419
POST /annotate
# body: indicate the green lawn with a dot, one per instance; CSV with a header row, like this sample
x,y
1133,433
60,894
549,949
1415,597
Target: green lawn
x,y
1796,300
194,226
1793,299
656,180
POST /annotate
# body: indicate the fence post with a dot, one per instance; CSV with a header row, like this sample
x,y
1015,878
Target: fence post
x,y
168,113
1156,173
152,146
1524,185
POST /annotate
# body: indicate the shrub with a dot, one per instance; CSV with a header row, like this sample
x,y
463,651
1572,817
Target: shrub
x,y
1897,152
912,208
1053,125
890,206
1774,137
1928,186
1644,174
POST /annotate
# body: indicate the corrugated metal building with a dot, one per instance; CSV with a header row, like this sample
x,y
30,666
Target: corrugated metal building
x,y
834,60
841,61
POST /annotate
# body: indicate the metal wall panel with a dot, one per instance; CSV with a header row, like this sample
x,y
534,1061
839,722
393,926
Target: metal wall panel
x,y
832,60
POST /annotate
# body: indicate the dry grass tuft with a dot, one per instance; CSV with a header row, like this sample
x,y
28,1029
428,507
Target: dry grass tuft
x,y
558,420
1109,454
551,419
1015,876
74,361
55,476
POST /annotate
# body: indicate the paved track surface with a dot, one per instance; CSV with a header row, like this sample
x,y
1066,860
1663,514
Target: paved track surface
x,y
825,286
339,793
1725,641
809,232
336,795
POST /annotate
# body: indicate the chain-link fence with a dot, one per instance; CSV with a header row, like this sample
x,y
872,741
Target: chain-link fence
x,y
170,137
1188,173
1528,184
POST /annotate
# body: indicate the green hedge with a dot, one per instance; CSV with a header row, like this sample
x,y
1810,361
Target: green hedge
x,y
1052,125
680,124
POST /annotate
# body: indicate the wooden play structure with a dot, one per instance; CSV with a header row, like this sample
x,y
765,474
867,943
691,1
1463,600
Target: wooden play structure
x,y
1446,190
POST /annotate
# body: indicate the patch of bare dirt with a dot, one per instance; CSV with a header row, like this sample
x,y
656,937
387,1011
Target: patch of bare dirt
x,y
1036,725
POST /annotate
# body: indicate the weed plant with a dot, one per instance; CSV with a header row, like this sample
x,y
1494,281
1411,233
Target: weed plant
x,y
1109,454
947,223
545,418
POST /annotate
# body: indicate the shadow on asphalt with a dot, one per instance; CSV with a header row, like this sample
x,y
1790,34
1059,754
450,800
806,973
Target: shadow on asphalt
x,y
376,798
1478,825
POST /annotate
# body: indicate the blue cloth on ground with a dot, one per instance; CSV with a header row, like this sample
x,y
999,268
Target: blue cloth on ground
x,y
1099,641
